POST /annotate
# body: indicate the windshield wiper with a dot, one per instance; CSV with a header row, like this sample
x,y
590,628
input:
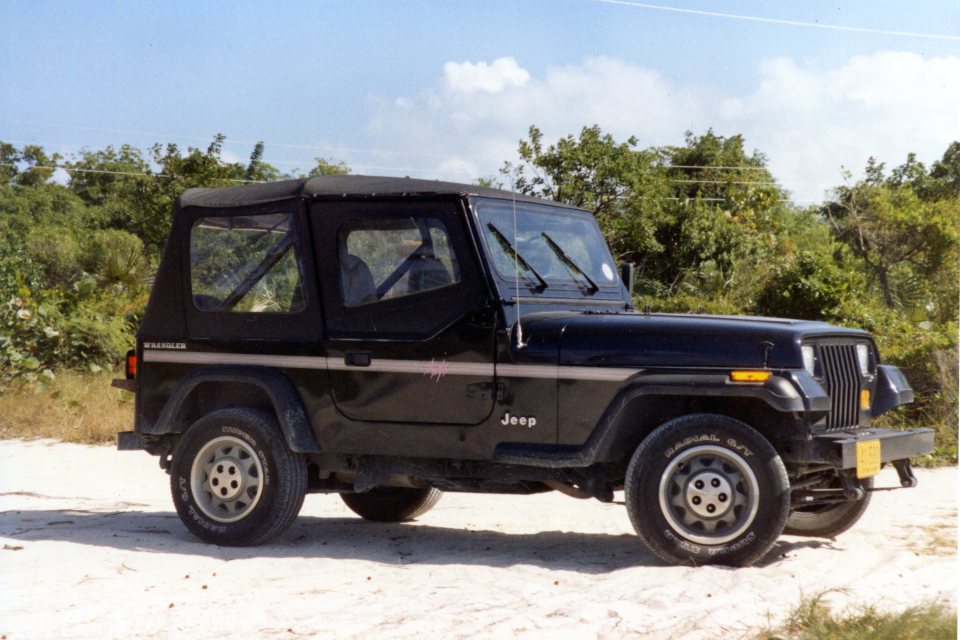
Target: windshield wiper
x,y
505,244
570,264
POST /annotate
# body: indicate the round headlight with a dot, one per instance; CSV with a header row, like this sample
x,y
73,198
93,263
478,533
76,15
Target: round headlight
x,y
863,358
809,359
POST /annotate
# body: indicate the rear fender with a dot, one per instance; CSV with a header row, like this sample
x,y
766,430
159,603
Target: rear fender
x,y
278,389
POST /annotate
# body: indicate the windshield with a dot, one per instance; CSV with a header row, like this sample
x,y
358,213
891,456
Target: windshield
x,y
552,247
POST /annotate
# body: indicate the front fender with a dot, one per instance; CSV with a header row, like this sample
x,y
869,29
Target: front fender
x,y
785,392
892,390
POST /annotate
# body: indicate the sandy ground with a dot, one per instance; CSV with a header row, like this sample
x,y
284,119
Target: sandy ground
x,y
91,548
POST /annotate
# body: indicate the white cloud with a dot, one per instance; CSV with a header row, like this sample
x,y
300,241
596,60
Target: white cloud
x,y
467,77
810,121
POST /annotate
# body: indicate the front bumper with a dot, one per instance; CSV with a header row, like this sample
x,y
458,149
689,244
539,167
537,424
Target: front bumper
x,y
839,448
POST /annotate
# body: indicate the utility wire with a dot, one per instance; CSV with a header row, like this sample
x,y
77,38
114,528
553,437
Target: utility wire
x,y
54,167
70,169
169,177
363,167
230,140
791,23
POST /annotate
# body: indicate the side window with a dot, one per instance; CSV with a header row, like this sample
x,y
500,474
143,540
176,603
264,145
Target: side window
x,y
246,264
386,258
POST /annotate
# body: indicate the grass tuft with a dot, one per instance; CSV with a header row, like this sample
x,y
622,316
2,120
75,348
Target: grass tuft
x,y
815,620
74,407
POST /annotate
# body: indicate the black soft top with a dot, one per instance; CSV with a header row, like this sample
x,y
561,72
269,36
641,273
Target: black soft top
x,y
339,186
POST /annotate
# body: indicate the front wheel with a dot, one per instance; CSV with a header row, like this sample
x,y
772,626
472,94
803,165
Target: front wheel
x,y
707,489
234,480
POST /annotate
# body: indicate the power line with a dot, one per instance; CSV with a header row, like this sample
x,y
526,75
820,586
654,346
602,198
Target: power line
x,y
791,23
328,148
54,167
766,184
228,140
169,177
366,167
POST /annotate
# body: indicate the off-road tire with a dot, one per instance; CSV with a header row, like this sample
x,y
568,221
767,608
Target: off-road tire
x,y
707,489
392,504
828,521
234,480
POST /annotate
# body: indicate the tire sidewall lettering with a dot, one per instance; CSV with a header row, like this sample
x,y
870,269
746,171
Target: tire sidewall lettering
x,y
689,441
249,439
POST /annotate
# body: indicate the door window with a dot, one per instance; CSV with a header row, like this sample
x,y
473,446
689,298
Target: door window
x,y
388,258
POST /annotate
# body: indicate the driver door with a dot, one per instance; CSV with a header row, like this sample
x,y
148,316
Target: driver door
x,y
409,334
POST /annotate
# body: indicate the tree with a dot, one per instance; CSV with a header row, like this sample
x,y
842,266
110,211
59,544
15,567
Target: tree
x,y
906,242
9,162
40,166
102,176
325,167
257,169
724,216
619,183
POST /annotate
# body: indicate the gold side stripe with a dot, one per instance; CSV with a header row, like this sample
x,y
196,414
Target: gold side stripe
x,y
436,368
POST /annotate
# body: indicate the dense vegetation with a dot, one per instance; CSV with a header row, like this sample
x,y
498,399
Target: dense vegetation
x,y
705,223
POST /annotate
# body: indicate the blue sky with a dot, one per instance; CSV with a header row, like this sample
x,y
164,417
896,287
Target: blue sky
x,y
446,89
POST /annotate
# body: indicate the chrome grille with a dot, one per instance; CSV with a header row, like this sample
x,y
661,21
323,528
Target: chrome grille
x,y
842,379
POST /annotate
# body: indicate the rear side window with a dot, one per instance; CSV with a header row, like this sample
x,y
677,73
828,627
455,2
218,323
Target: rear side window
x,y
387,258
246,264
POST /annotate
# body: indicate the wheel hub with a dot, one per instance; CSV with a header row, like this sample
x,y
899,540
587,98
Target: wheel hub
x,y
226,478
709,494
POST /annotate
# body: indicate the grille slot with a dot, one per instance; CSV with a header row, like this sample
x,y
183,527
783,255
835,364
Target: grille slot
x,y
842,378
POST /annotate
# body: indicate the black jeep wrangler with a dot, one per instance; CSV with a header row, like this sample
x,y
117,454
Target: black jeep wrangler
x,y
389,339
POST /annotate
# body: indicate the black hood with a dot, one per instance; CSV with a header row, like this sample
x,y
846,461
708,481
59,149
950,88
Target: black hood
x,y
677,340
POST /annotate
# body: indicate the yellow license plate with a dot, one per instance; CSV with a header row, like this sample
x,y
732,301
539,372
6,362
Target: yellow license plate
x,y
868,458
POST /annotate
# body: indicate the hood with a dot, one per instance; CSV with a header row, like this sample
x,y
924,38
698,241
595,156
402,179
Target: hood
x,y
677,340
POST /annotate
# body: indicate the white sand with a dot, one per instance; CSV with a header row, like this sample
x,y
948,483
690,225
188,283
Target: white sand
x,y
91,548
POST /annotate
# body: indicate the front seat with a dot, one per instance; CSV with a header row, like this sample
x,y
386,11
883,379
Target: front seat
x,y
426,272
356,281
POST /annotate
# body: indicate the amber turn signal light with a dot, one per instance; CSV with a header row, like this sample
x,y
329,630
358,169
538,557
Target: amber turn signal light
x,y
131,364
865,398
750,376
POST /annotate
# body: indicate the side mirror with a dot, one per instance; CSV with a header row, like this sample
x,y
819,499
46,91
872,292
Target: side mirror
x,y
626,276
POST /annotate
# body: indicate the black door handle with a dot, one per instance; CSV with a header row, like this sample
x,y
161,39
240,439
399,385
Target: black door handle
x,y
357,358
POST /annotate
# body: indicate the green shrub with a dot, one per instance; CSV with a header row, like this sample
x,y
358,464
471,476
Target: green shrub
x,y
812,287
814,620
57,250
927,354
116,257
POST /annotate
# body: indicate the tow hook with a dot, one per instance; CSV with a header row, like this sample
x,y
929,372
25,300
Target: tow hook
x,y
905,471
851,488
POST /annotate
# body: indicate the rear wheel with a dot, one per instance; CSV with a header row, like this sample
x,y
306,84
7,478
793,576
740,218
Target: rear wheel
x,y
707,489
827,521
234,480
392,504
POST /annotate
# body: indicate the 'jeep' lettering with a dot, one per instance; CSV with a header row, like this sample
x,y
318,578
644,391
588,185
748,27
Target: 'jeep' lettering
x,y
524,421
